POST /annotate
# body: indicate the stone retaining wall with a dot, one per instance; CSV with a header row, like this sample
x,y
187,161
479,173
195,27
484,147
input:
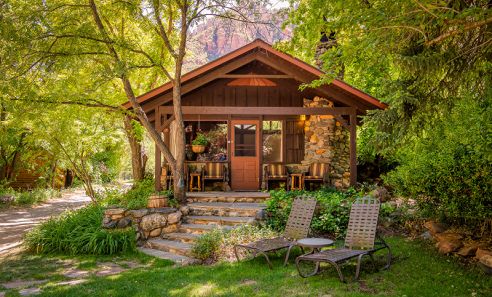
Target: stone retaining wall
x,y
147,222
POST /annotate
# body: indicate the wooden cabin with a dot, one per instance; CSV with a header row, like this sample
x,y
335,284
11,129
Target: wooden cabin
x,y
250,106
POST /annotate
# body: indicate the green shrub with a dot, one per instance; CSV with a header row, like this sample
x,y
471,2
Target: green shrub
x,y
448,171
331,216
135,198
80,232
207,245
30,197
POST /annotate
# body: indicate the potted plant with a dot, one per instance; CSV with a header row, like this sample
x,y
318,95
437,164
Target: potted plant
x,y
199,143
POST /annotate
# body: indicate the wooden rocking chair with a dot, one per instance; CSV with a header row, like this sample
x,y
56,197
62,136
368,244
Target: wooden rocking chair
x,y
359,242
297,228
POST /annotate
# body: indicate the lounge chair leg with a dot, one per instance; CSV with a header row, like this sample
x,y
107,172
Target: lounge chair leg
x,y
235,253
373,262
357,269
340,274
389,257
287,255
298,260
267,259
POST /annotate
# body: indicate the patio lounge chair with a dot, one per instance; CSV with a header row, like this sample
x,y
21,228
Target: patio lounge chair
x,y
213,171
276,172
359,242
317,173
297,227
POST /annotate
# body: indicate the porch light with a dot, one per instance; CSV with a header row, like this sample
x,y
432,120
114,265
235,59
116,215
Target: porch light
x,y
302,117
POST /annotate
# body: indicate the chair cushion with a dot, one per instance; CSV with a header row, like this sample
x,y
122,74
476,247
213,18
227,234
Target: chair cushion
x,y
318,169
214,169
276,170
313,177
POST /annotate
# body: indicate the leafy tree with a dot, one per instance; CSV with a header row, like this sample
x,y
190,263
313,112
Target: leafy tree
x,y
428,60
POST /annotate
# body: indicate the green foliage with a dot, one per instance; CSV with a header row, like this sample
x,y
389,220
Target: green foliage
x,y
108,163
207,245
200,139
332,212
437,85
79,232
138,130
30,197
135,198
448,171
218,244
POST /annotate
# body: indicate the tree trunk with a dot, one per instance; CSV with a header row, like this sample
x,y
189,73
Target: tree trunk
x,y
139,159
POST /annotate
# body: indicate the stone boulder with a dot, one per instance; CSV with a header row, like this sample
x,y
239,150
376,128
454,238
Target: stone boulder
x,y
123,223
380,193
174,217
153,221
434,227
185,210
115,211
7,198
137,213
469,250
486,261
108,223
448,242
480,253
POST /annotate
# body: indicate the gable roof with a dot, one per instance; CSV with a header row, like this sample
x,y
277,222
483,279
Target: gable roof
x,y
365,98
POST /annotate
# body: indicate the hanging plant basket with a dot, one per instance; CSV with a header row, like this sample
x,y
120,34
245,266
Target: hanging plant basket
x,y
199,143
198,149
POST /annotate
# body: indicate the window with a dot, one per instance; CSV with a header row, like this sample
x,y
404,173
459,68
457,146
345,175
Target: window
x,y
245,140
216,133
272,141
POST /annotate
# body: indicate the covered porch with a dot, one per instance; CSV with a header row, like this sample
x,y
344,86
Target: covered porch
x,y
251,104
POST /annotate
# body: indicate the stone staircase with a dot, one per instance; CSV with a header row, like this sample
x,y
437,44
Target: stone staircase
x,y
206,211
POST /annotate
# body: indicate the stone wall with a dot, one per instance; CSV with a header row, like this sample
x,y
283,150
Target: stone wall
x,y
147,222
327,141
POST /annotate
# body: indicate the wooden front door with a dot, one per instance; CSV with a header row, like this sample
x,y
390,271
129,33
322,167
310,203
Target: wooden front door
x,y
245,157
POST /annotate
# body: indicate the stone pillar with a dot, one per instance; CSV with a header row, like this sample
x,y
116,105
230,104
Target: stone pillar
x,y
327,141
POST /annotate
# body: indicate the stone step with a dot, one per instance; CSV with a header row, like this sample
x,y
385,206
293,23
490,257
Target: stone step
x,y
225,209
249,197
200,228
175,247
181,237
178,259
216,220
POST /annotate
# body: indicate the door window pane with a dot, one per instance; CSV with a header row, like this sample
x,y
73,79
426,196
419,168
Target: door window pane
x,y
245,140
272,141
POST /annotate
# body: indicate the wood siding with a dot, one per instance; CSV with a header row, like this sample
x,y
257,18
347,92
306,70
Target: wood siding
x,y
285,94
294,141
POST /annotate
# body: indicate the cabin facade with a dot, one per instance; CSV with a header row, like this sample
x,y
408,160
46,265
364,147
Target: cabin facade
x,y
249,105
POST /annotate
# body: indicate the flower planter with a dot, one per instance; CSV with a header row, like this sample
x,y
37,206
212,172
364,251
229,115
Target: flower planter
x,y
198,149
157,201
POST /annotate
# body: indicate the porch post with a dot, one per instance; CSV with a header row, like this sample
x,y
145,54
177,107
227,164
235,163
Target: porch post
x,y
158,164
353,149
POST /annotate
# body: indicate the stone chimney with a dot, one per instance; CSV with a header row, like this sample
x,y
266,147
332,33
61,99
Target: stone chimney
x,y
327,42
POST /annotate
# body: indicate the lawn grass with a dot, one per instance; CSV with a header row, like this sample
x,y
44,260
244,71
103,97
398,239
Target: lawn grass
x,y
417,271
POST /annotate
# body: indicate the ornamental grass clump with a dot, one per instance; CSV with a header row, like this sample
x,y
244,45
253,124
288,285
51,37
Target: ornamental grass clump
x,y
218,244
80,232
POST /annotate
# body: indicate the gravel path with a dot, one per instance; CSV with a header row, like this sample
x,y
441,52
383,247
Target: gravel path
x,y
15,222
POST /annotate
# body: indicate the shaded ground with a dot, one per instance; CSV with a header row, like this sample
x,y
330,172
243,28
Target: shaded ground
x,y
15,222
418,270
